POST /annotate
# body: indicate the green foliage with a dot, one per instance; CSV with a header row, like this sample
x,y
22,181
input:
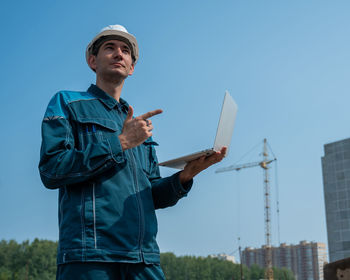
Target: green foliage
x,y
37,261
28,261
283,274
199,268
256,272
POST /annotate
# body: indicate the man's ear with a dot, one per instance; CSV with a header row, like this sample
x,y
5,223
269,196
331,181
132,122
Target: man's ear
x,y
132,68
92,62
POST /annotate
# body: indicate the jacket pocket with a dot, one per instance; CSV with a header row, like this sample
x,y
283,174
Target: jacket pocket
x,y
94,130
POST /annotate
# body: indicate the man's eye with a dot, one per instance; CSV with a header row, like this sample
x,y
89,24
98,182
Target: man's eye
x,y
126,51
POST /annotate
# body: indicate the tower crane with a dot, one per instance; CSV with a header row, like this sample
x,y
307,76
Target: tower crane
x,y
264,164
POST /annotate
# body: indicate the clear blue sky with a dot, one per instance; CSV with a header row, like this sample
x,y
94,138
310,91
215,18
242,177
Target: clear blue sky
x,y
287,64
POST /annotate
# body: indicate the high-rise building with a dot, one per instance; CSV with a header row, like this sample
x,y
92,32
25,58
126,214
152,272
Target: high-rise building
x,y
306,259
336,184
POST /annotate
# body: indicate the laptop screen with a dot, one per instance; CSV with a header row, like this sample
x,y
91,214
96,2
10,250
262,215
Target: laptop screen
x,y
226,123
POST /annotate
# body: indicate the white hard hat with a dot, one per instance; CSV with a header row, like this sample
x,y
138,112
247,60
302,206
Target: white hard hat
x,y
118,32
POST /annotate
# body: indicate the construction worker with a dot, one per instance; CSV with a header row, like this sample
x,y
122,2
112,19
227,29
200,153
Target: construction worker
x,y
103,161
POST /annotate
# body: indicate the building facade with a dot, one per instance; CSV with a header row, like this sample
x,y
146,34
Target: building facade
x,y
306,259
336,185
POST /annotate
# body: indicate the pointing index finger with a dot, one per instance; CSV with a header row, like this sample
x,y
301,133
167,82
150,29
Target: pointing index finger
x,y
151,114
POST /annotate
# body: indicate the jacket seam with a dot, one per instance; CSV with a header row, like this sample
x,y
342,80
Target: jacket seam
x,y
94,214
82,215
79,100
97,119
73,174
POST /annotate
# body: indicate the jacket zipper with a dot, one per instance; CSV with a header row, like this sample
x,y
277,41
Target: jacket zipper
x,y
82,217
94,213
140,205
144,151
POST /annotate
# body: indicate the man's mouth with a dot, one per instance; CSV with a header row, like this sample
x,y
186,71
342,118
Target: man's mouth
x,y
118,64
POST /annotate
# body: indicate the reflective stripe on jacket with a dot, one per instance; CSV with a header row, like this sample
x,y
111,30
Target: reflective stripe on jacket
x,y
107,196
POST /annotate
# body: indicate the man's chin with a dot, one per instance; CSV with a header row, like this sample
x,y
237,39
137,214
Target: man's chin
x,y
115,75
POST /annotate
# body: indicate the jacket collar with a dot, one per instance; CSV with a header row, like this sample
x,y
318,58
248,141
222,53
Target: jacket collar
x,y
106,99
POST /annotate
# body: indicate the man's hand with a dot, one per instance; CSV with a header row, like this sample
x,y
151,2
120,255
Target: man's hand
x,y
136,130
196,166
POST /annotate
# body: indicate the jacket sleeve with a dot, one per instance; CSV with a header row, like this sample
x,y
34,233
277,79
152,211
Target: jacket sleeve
x,y
61,163
166,191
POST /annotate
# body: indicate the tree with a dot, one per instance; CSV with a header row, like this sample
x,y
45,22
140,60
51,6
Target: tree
x,y
28,261
200,268
256,272
37,261
283,274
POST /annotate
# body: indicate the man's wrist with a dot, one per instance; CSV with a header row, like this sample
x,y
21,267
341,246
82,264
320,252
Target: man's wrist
x,y
123,142
185,177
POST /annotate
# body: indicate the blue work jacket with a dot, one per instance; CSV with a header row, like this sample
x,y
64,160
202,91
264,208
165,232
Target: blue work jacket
x,y
107,196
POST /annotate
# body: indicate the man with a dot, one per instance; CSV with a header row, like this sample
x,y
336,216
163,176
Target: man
x,y
103,161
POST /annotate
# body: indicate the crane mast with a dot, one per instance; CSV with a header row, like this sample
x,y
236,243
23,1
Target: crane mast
x,y
264,164
268,250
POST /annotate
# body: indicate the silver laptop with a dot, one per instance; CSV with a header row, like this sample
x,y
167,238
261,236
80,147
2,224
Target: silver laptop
x,y
222,138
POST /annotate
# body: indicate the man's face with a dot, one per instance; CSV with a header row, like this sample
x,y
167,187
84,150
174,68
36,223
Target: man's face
x,y
113,60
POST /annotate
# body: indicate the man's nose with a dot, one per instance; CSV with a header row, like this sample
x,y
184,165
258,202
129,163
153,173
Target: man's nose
x,y
118,53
